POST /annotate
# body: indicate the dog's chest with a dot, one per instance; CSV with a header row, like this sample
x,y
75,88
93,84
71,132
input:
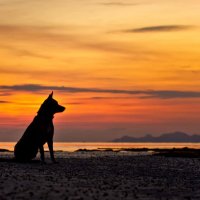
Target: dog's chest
x,y
46,131
49,129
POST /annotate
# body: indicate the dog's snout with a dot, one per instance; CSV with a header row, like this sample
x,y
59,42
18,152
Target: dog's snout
x,y
62,108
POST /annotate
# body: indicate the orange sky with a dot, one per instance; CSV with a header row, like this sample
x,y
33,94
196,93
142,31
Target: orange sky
x,y
120,67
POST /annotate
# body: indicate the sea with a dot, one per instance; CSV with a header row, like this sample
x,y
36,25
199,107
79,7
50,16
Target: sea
x,y
74,146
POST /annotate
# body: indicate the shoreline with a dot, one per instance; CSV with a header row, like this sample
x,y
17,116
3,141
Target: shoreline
x,y
167,152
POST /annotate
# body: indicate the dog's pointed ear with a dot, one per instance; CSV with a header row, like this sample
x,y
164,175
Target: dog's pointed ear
x,y
51,95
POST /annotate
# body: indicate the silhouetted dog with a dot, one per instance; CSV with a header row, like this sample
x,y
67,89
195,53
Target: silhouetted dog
x,y
39,132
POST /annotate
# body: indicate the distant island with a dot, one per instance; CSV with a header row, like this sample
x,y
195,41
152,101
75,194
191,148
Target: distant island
x,y
167,137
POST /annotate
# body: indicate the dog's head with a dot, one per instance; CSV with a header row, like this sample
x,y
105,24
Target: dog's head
x,y
50,106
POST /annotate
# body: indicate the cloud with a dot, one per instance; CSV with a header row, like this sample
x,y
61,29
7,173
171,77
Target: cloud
x,y
41,42
168,94
61,74
2,102
168,28
189,69
8,3
5,94
61,36
23,52
108,98
161,94
64,38
118,4
37,33
75,103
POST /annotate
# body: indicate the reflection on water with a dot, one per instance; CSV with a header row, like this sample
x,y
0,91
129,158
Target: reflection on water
x,y
73,146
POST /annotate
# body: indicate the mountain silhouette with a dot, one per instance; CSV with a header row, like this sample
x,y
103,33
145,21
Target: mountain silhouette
x,y
166,137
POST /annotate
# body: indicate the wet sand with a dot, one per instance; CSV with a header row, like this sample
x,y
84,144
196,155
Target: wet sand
x,y
107,175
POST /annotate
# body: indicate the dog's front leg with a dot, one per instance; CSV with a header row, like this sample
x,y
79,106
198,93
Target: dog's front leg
x,y
50,145
42,153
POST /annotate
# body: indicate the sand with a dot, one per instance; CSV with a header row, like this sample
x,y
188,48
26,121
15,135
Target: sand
x,y
102,176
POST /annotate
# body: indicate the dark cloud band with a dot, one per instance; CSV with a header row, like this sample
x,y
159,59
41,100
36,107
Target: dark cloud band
x,y
162,94
118,4
168,28
4,102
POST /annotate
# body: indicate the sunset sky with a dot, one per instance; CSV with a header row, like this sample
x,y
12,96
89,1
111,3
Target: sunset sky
x,y
128,67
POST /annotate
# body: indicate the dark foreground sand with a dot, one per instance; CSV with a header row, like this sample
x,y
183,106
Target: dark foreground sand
x,y
102,177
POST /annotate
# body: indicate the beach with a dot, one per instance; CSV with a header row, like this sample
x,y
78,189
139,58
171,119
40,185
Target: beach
x,y
101,175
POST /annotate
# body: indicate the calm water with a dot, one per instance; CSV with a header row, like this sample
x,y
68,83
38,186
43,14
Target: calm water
x,y
73,146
